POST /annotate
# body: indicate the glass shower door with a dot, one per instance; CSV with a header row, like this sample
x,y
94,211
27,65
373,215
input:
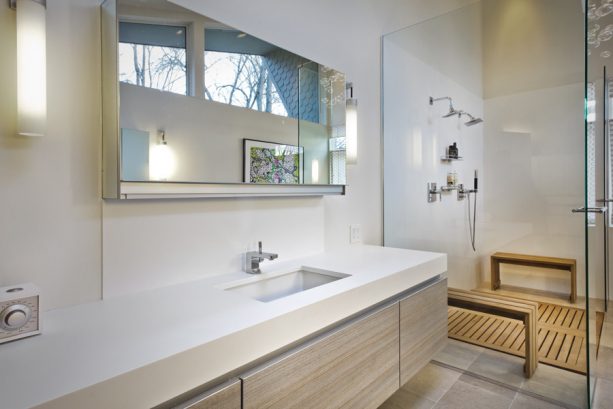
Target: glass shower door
x,y
598,199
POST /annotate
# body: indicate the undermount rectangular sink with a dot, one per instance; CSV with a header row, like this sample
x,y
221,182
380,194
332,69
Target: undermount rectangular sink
x,y
271,287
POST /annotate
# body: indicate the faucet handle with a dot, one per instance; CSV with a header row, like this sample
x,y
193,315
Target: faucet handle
x,y
260,247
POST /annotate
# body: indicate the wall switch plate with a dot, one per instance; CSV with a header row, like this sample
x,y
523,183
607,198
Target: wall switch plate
x,y
355,234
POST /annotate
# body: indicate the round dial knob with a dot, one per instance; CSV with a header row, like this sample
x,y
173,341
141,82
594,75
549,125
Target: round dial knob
x,y
15,317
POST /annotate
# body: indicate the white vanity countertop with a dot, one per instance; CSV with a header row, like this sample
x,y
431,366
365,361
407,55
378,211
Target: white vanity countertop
x,y
143,349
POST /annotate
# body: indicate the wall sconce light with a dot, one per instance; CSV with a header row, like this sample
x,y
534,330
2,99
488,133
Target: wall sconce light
x,y
31,67
351,127
162,161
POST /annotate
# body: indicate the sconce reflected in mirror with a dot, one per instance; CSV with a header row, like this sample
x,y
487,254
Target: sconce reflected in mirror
x,y
31,67
162,163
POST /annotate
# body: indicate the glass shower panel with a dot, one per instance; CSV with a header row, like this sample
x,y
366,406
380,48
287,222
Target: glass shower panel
x,y
599,31
518,65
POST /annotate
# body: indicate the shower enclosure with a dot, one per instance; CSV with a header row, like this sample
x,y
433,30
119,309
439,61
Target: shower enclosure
x,y
542,154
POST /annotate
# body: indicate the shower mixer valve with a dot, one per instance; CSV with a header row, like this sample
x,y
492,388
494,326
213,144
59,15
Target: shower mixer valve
x,y
435,193
462,193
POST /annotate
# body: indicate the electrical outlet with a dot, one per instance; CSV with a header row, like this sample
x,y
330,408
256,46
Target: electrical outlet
x,y
355,234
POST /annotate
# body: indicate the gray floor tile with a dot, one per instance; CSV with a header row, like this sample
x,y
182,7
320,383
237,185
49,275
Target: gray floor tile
x,y
405,399
432,382
606,338
603,366
527,402
459,354
466,395
500,367
558,384
490,386
603,397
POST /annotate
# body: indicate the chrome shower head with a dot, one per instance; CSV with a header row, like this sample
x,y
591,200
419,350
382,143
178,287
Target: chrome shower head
x,y
472,121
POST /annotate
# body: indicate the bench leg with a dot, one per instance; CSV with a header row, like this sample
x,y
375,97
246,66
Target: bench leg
x,y
495,275
573,284
531,348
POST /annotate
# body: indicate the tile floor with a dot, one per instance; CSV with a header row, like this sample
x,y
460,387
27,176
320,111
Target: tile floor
x,y
472,377
439,387
565,388
468,376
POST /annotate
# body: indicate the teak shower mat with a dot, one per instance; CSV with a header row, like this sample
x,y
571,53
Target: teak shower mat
x,y
561,334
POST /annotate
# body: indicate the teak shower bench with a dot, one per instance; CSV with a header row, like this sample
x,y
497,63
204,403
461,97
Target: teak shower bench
x,y
523,310
566,264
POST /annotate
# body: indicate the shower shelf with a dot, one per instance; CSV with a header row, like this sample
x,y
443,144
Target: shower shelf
x,y
450,159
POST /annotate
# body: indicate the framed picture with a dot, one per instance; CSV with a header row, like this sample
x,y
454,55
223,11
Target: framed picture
x,y
271,163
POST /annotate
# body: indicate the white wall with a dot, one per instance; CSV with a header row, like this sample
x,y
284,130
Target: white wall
x,y
50,220
534,149
534,163
350,44
51,212
449,64
530,147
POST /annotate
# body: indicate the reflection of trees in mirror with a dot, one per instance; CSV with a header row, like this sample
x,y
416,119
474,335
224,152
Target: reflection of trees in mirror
x,y
241,80
162,68
328,80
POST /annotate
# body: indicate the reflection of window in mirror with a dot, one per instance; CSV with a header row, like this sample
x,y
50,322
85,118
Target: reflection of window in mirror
x,y
153,56
245,71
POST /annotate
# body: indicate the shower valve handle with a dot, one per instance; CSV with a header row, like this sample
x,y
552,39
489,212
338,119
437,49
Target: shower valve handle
x,y
590,210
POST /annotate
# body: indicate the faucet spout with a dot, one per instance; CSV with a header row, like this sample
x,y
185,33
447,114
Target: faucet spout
x,y
254,258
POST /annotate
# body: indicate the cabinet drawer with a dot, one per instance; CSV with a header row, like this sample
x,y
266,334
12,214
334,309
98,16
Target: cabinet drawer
x,y
354,367
423,328
226,396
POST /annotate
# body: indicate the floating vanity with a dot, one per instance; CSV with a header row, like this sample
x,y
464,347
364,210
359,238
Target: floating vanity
x,y
346,328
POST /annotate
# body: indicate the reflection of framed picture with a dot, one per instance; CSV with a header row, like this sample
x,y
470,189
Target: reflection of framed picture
x,y
271,163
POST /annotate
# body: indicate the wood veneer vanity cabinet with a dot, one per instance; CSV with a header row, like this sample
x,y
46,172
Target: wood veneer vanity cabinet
x,y
423,328
353,367
356,365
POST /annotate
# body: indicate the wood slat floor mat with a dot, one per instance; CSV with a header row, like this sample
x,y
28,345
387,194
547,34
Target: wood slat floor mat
x,y
561,334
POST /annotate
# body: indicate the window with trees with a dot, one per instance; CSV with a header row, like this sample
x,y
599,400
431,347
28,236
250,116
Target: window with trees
x,y
242,80
153,56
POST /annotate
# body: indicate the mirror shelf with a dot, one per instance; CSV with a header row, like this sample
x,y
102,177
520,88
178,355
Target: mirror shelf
x,y
175,190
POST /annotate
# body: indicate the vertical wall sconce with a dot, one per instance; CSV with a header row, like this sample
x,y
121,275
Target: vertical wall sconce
x,y
162,161
351,127
31,67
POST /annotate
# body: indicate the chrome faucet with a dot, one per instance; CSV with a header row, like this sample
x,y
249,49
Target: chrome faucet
x,y
254,258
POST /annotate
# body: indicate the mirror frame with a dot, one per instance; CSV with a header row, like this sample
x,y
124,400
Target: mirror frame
x,y
112,185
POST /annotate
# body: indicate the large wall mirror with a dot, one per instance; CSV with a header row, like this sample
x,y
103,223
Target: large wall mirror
x,y
193,107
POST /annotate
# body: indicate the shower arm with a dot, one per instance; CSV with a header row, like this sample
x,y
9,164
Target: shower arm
x,y
433,100
472,118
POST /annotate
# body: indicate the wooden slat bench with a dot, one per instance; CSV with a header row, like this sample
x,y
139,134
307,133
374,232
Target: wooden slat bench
x,y
523,310
566,264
